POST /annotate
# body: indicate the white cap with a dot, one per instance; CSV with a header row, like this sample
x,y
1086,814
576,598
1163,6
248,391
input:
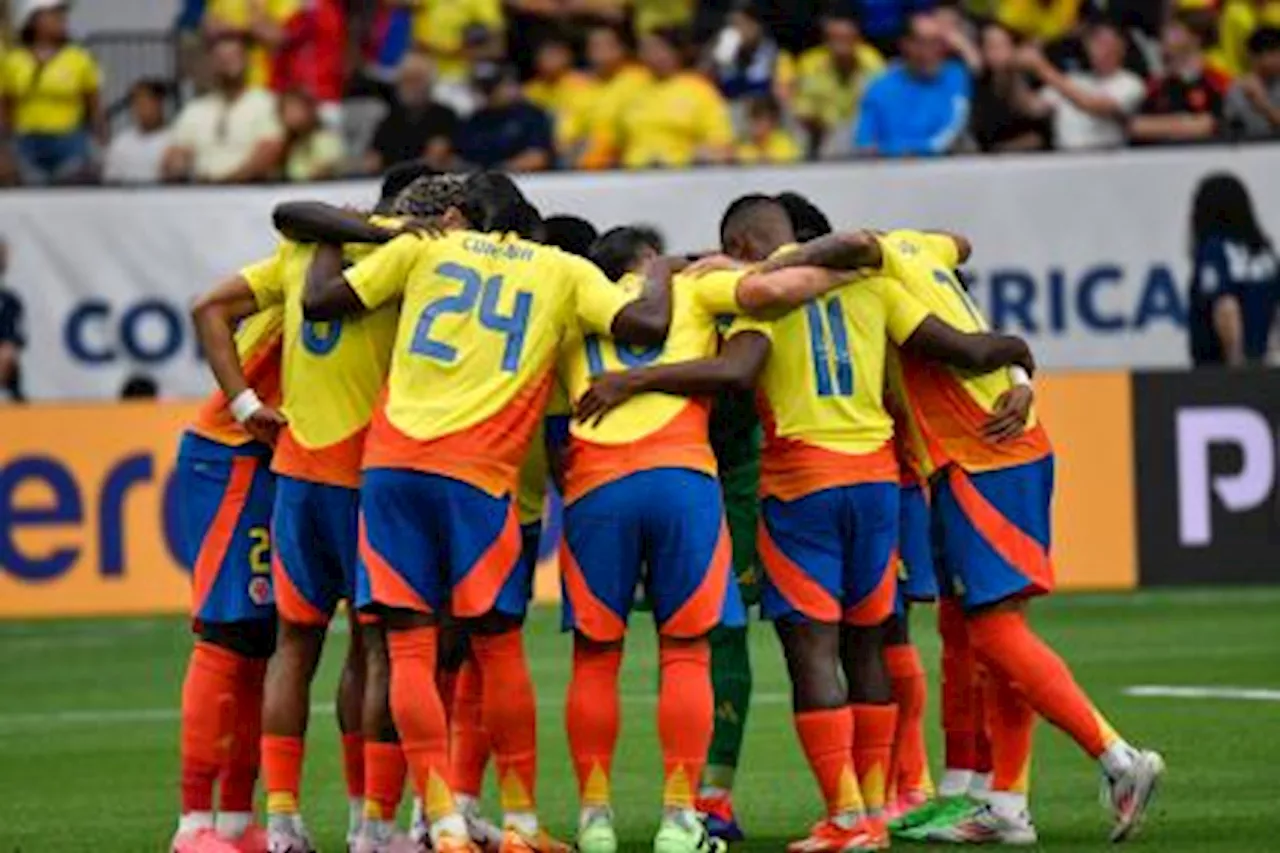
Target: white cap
x,y
31,7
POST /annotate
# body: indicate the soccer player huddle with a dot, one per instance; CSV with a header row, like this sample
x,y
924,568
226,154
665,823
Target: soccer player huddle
x,y
818,422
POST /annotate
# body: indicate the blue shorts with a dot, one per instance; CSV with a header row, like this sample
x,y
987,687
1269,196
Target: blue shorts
x,y
430,543
829,556
224,526
991,532
669,521
314,568
530,551
917,579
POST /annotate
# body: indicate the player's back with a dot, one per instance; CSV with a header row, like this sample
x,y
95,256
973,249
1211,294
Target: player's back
x,y
481,322
649,430
332,372
258,346
947,407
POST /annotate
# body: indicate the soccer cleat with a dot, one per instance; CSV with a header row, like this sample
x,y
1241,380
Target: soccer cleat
x,y
418,829
830,837
252,840
987,826
597,835
200,841
677,835
717,814
446,843
1130,794
936,813
904,804
382,837
484,833
515,842
289,841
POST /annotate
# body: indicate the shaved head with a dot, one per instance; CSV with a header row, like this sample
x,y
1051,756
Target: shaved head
x,y
754,226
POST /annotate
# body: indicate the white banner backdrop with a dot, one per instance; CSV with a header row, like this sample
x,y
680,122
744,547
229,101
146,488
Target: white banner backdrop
x,y
1084,255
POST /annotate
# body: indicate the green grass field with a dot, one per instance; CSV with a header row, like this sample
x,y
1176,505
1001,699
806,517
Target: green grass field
x,y
88,730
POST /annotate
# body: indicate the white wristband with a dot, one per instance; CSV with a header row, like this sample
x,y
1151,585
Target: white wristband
x,y
1019,375
245,404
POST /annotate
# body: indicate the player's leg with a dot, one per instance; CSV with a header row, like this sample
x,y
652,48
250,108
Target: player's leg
x,y
469,746
224,514
404,578
802,552
996,528
600,561
730,658
689,556
384,763
349,705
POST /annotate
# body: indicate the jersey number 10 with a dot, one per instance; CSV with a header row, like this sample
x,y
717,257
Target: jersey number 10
x,y
828,340
474,289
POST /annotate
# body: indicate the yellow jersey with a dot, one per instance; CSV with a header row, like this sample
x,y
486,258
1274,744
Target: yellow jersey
x,y
650,15
440,26
481,321
821,396
602,115
1037,20
332,372
778,147
668,121
944,407
649,430
258,345
568,101
825,95
49,97
238,15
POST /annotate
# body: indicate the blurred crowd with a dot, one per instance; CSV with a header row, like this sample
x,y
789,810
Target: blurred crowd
x,y
302,90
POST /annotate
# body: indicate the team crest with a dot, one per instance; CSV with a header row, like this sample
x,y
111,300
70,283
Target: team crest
x,y
260,591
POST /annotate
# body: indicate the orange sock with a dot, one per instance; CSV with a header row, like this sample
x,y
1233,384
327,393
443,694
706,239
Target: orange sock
x,y
447,684
208,702
282,772
873,728
353,764
826,737
1011,721
959,724
686,718
241,774
982,762
384,772
419,717
592,720
1014,653
510,716
909,765
468,739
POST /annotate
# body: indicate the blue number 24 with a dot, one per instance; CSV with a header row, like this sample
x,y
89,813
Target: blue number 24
x,y
487,293
823,348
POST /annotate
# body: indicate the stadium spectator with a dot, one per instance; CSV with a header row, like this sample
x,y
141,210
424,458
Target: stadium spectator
x,y
12,338
885,22
1090,108
312,152
456,34
312,56
230,134
1000,120
745,59
1235,284
920,105
617,81
1252,108
136,154
507,132
263,24
1041,21
50,87
417,127
830,82
139,386
1238,20
960,36
766,139
679,117
1184,103
562,91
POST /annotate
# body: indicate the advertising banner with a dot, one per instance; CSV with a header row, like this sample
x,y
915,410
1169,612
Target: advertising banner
x,y
1085,255
1208,498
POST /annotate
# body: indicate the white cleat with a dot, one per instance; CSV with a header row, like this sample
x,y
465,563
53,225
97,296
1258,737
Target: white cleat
x,y
288,842
1130,794
987,826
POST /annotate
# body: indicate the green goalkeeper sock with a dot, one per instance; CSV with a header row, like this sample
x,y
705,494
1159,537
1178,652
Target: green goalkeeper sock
x,y
731,681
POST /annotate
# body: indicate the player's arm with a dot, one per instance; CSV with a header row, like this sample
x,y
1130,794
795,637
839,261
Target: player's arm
x,y
215,315
374,281
738,366
646,319
318,222
976,352
849,251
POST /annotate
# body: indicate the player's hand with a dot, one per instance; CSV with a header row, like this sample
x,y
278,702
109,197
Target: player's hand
x,y
1007,420
712,263
608,391
265,424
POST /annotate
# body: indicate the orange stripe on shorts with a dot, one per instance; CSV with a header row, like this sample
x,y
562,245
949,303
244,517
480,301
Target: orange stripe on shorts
x,y
1013,545
217,539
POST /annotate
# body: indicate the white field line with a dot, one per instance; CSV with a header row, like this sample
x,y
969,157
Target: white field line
x,y
1239,694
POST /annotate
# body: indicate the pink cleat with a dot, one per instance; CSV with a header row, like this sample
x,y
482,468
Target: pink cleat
x,y
252,840
201,841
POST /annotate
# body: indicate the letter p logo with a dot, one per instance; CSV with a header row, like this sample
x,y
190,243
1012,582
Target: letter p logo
x,y
1199,429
